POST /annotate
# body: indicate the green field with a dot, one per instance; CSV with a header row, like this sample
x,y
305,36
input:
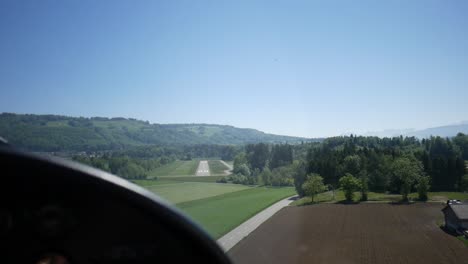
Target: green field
x,y
217,207
463,239
176,168
220,214
145,183
216,167
191,178
177,192
443,196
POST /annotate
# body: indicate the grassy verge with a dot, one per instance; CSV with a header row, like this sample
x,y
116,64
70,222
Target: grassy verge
x,y
178,192
443,196
176,168
191,178
327,197
463,239
145,183
220,214
216,167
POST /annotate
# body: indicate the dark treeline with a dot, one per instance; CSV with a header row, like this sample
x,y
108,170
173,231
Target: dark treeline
x,y
125,166
224,152
137,162
378,162
267,164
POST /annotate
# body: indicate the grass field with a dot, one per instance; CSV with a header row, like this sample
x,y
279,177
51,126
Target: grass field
x,y
191,178
216,167
220,214
443,196
177,192
145,183
463,239
327,197
217,207
176,168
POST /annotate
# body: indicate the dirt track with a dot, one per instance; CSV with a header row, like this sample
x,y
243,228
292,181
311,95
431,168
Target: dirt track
x,y
230,168
364,233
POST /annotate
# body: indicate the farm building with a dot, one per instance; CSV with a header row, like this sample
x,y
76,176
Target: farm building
x,y
456,215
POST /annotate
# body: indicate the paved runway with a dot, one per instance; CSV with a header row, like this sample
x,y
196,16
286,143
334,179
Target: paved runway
x,y
203,169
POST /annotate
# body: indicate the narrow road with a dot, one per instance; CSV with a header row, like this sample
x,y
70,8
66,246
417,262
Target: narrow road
x,y
203,169
226,164
227,172
237,234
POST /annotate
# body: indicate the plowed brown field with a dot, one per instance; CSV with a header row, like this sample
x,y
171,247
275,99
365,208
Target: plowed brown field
x,y
361,233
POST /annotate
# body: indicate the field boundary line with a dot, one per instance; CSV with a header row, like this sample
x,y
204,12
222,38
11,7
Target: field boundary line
x,y
233,237
163,184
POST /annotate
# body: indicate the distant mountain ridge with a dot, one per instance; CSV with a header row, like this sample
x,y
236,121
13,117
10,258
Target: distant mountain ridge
x,y
64,133
442,131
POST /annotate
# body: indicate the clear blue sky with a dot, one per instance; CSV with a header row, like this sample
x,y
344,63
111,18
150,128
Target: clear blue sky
x,y
305,68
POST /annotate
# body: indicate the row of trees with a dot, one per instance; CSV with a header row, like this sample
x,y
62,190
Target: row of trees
x,y
187,152
442,159
389,164
255,164
314,185
124,166
265,164
136,162
281,176
395,165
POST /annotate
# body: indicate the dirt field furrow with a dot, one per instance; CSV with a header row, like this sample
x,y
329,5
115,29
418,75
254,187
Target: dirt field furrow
x,y
359,233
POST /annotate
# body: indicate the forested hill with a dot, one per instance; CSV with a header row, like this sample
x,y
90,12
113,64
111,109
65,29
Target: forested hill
x,y
63,133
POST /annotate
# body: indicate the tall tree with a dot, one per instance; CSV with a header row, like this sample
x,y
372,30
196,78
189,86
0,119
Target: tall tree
x,y
349,184
352,164
423,187
299,176
239,160
257,155
281,155
461,140
313,185
406,171
364,188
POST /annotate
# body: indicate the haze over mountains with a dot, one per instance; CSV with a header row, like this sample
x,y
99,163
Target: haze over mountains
x,y
442,131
